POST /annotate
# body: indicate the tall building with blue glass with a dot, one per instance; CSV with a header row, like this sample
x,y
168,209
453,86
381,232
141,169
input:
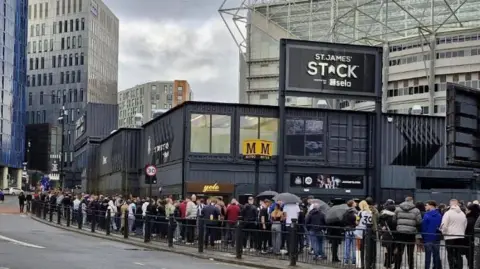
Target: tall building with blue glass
x,y
12,90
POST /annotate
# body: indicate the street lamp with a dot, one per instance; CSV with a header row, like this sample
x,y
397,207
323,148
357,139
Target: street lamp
x,y
62,147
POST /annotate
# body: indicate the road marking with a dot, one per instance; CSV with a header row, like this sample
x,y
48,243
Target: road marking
x,y
19,242
139,263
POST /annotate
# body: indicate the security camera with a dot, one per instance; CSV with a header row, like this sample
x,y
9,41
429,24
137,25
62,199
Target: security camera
x,y
416,110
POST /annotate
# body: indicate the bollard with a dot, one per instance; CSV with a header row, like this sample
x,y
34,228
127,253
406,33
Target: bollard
x,y
59,214
368,246
125,226
67,213
239,238
146,233
80,218
293,243
94,222
201,233
50,213
171,230
108,224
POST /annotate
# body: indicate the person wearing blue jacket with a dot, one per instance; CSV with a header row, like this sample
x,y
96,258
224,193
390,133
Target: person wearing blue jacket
x,y
431,237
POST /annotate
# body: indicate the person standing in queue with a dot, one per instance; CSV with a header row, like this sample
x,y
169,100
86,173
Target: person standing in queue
x,y
21,201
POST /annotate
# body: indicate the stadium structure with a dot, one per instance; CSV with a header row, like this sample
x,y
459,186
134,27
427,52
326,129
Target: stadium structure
x,y
427,43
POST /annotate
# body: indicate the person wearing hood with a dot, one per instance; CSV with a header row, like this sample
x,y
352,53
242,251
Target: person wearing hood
x,y
113,212
454,223
473,212
315,224
408,218
388,223
432,220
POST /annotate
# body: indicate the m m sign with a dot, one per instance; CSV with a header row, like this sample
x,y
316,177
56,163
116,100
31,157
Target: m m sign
x,y
257,149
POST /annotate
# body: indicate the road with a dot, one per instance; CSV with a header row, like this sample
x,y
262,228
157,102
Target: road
x,y
10,205
25,243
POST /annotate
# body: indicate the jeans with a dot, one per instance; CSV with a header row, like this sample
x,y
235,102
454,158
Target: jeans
x,y
131,223
276,237
432,249
350,248
113,223
316,241
454,256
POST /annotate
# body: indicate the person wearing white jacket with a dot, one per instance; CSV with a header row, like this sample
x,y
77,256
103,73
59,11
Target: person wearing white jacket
x,y
113,213
454,223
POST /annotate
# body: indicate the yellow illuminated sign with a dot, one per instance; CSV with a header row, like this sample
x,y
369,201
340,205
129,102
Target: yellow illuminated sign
x,y
211,188
257,149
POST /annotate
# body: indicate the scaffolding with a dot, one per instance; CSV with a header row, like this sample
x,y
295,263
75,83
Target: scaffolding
x,y
369,22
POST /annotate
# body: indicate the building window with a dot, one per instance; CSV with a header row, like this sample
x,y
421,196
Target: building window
x,y
252,127
59,58
74,42
31,64
65,26
76,58
45,79
65,59
33,81
62,44
29,47
81,58
81,90
28,81
58,7
67,77
79,75
83,24
41,98
210,133
68,42
45,45
46,10
54,61
40,46
51,44
304,137
60,27
75,95
50,79
63,7
64,96
70,95
53,97
73,76
43,29
62,77
42,63
59,96
70,59
36,63
79,5
30,98
79,41
74,6
77,25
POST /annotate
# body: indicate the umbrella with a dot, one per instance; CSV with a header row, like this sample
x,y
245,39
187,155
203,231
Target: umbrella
x,y
322,205
287,198
335,214
267,193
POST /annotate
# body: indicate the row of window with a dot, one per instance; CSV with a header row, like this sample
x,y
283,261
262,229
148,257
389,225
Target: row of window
x,y
440,40
37,30
426,57
73,44
59,97
63,26
70,6
65,78
41,11
32,46
68,60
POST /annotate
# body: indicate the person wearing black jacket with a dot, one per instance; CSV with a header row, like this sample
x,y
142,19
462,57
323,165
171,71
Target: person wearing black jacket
x,y
211,215
67,202
249,215
29,199
388,224
315,224
21,201
263,227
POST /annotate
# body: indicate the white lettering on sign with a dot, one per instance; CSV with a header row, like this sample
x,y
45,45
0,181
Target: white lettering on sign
x,y
333,70
161,147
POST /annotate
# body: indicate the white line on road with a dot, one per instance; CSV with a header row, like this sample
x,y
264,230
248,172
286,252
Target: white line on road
x,y
19,242
139,263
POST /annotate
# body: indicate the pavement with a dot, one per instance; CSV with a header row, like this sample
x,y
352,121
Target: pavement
x,y
10,205
26,243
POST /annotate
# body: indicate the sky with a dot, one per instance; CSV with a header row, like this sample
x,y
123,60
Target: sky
x,y
177,39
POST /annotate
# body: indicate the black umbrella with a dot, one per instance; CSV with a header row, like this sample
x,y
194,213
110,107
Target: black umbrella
x,y
335,214
267,194
287,198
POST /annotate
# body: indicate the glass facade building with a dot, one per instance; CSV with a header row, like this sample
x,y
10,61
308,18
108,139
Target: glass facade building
x,y
13,80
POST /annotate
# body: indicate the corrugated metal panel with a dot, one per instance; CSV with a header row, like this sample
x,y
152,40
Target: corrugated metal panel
x,y
162,139
410,140
401,177
101,119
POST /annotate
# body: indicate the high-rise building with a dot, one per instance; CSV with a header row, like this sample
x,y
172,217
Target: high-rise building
x,y
72,61
12,91
150,98
425,44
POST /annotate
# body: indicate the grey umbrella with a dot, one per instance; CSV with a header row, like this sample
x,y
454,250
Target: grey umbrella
x,y
322,205
335,213
267,193
287,198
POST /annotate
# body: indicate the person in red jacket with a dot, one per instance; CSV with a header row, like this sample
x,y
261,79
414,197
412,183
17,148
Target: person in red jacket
x,y
231,215
183,211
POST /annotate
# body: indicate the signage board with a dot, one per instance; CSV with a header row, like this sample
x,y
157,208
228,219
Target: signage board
x,y
324,181
257,149
210,188
150,170
331,69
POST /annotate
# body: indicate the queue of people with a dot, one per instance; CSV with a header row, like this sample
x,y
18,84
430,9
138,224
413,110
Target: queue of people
x,y
397,228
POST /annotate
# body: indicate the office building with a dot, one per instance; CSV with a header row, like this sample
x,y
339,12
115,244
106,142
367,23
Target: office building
x,y
426,44
12,92
139,104
72,61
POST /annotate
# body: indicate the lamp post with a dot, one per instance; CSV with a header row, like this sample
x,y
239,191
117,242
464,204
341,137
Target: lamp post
x,y
62,149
